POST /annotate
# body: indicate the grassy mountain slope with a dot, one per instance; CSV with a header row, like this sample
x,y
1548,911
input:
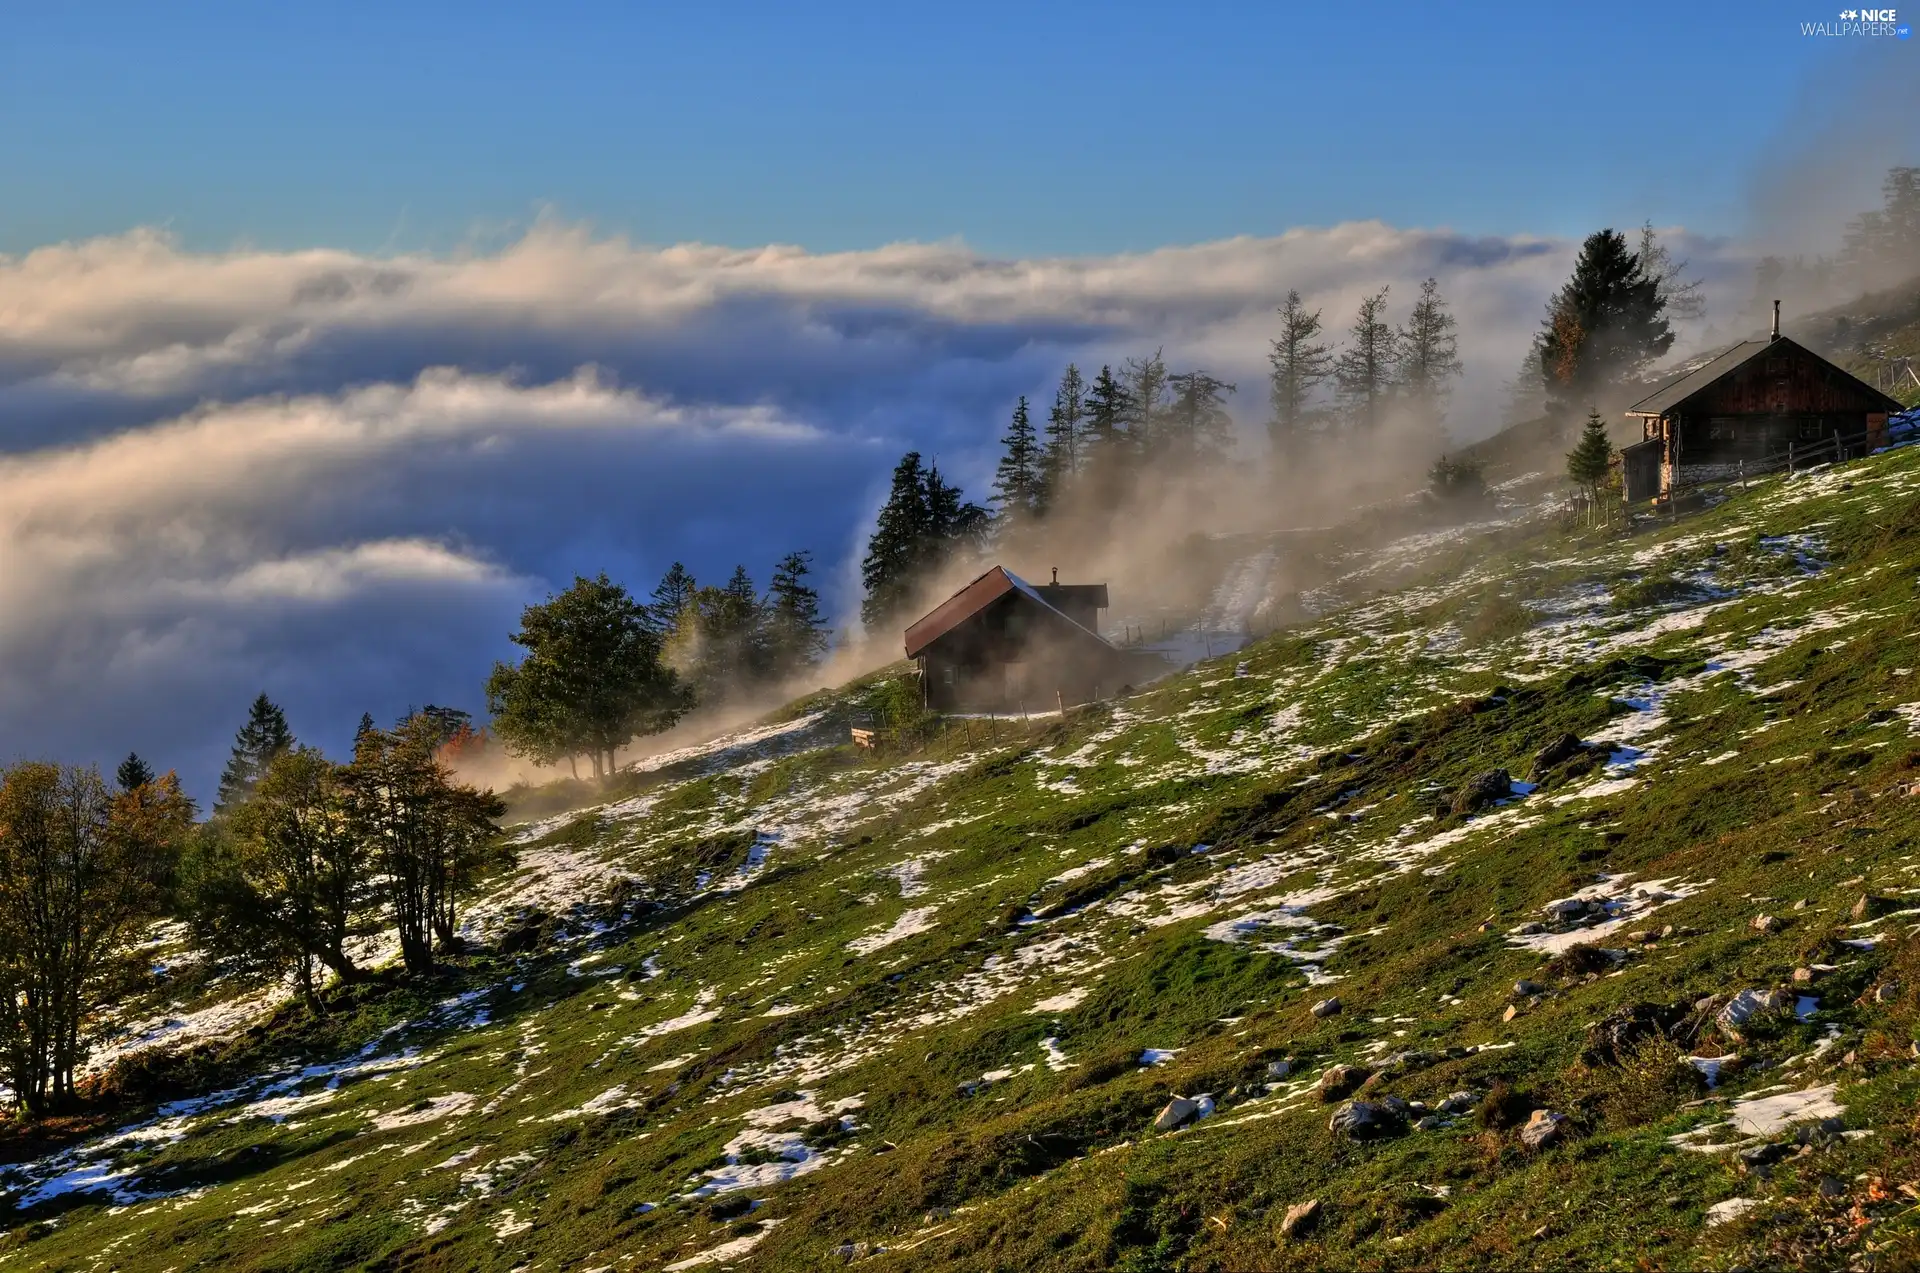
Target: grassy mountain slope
x,y
792,1002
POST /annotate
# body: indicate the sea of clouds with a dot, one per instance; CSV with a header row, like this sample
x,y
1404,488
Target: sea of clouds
x,y
337,478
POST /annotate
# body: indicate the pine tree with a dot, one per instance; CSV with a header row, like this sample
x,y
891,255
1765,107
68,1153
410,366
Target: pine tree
x,y
133,773
1364,369
887,573
1429,354
1197,426
1017,483
1590,463
1109,408
1064,424
1300,363
1603,327
671,597
365,727
797,635
264,736
1146,384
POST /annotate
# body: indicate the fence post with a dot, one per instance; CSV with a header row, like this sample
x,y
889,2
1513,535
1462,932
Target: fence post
x,y
1789,458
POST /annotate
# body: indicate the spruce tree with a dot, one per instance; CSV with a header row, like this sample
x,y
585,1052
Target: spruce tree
x,y
1364,369
1065,423
1017,480
1109,407
263,737
133,773
1590,463
1146,385
797,635
1197,427
1603,327
671,597
1429,354
893,551
1300,363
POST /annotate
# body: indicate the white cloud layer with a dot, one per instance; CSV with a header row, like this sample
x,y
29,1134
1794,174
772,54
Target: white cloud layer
x,y
336,478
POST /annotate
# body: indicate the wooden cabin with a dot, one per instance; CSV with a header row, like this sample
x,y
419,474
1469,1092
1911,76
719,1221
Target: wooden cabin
x,y
1001,644
1746,407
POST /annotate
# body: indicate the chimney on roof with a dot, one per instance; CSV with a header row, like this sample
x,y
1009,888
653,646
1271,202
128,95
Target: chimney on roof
x,y
1776,319
1056,574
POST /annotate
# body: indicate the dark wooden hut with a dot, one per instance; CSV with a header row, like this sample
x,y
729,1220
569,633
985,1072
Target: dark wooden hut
x,y
1001,644
1746,408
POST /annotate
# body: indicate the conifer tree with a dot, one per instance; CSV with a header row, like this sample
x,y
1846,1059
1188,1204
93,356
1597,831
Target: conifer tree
x,y
1146,387
1681,295
365,727
797,634
1109,408
133,773
1590,463
1065,423
1300,363
671,597
924,523
1017,482
1364,369
1603,327
1197,426
264,736
1429,354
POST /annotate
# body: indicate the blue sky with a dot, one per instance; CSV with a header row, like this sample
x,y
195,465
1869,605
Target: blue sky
x,y
1022,128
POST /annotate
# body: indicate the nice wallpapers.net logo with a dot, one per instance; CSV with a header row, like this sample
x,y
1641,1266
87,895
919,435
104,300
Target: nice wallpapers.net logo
x,y
1879,23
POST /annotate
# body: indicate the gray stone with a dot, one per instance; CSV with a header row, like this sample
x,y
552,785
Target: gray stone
x,y
1763,923
1362,1119
1461,1102
1557,752
1277,1070
1543,1129
1524,988
1326,1007
1832,1187
1431,1123
1300,1218
1483,790
1567,908
1886,992
1178,1111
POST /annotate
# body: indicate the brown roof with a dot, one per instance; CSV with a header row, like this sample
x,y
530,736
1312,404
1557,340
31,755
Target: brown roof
x,y
977,596
1676,391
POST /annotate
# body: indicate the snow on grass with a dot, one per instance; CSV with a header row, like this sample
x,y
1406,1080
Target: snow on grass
x,y
727,1251
917,920
428,1110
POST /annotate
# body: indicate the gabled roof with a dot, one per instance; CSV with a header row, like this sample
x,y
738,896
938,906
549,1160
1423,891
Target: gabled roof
x,y
977,596
1688,383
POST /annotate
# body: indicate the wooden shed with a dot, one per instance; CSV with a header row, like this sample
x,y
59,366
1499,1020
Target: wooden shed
x,y
1001,644
1746,407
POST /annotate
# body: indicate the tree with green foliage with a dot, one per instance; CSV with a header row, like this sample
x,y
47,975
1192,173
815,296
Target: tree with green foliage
x,y
721,639
592,679
1452,481
1019,491
1066,424
264,736
1195,427
1300,363
1590,463
79,867
924,524
294,872
1604,327
133,773
796,636
1107,446
672,597
1363,372
430,837
1428,348
1145,380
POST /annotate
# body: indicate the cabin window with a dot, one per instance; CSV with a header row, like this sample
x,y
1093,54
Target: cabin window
x,y
1812,430
1723,429
946,674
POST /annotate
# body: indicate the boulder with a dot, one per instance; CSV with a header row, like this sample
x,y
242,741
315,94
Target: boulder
x,y
1886,992
1461,1102
1747,1005
1431,1123
1510,1013
1567,908
1340,1081
1870,907
1543,1129
1482,790
1362,1120
1764,923
1300,1218
1326,1007
1277,1070
1524,989
1178,1112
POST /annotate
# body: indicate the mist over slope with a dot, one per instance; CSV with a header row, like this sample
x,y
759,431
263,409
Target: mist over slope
x,y
1565,820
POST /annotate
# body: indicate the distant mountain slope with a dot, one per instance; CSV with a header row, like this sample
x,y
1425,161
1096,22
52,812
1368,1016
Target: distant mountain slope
x,y
1566,821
